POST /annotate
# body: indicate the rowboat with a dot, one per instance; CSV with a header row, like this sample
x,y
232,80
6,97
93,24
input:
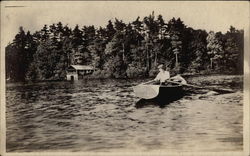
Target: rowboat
x,y
167,91
171,91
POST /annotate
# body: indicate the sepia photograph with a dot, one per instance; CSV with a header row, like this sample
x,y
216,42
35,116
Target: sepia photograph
x,y
124,77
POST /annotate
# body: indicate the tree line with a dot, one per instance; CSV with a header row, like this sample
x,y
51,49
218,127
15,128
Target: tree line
x,y
122,50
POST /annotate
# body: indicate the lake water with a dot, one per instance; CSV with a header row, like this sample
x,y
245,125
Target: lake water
x,y
101,115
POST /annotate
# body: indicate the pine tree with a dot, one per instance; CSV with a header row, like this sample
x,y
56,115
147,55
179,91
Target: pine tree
x,y
215,50
234,51
44,33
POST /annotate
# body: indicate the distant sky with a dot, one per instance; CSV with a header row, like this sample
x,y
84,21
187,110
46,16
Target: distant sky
x,y
216,16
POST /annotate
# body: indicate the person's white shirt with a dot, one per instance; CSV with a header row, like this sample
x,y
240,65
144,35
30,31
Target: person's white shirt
x,y
162,76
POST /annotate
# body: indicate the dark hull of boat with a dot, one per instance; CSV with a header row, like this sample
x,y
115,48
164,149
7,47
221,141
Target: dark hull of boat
x,y
170,93
167,94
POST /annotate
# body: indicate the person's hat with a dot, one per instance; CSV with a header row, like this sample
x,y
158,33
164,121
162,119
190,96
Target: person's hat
x,y
160,66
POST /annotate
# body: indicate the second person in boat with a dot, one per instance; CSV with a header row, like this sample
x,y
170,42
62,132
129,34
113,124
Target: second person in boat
x,y
179,79
163,75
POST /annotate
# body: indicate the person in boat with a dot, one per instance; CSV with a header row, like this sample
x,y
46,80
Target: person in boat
x,y
178,79
163,75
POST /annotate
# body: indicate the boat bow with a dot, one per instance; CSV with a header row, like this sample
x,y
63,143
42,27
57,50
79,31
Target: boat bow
x,y
146,91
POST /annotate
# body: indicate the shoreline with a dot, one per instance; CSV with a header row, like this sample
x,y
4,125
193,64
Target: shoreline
x,y
186,76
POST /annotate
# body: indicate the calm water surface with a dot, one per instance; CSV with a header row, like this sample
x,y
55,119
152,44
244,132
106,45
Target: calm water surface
x,y
101,116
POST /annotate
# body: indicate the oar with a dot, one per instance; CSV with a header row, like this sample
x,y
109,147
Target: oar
x,y
147,82
199,87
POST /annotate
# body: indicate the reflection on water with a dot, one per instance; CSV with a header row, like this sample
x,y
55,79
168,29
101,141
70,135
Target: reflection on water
x,y
101,115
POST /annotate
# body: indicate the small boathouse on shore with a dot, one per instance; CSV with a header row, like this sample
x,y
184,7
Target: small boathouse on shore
x,y
74,72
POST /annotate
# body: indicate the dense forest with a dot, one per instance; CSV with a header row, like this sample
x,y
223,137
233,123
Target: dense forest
x,y
122,50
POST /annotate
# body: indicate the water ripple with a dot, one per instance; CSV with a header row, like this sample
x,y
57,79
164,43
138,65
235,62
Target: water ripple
x,y
100,115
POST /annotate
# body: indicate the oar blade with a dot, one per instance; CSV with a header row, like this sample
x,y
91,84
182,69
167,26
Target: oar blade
x,y
146,91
